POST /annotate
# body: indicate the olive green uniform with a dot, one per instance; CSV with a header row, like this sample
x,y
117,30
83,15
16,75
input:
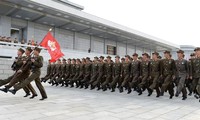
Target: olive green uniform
x,y
101,73
168,69
87,75
108,73
154,74
35,75
126,72
195,73
117,72
135,73
62,73
94,73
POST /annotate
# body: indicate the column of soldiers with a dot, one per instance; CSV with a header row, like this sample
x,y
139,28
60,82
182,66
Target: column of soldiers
x,y
131,74
27,69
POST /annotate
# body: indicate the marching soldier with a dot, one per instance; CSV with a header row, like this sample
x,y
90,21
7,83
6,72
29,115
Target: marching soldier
x,y
94,73
87,75
126,71
78,71
144,73
101,73
72,72
108,73
18,76
189,81
36,64
154,74
62,72
117,72
168,69
67,73
195,72
182,74
135,73
57,72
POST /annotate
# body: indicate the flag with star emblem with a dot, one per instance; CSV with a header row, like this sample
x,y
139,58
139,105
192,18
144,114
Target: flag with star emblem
x,y
53,47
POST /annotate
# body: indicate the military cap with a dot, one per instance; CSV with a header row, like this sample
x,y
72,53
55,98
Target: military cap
x,y
166,51
21,50
96,57
117,56
74,59
122,59
38,49
180,51
108,57
69,59
29,49
101,57
63,59
78,59
135,54
58,60
87,58
197,49
146,54
49,59
155,53
192,54
127,56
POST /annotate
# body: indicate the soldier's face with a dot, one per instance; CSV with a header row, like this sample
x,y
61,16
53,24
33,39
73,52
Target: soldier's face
x,y
126,59
166,55
179,55
36,52
116,59
135,57
144,57
19,53
27,53
197,52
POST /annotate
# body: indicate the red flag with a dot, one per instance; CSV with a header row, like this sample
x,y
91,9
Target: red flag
x,y
53,47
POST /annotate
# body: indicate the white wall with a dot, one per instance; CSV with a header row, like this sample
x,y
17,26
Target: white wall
x,y
97,45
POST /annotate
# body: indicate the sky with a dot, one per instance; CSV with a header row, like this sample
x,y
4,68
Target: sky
x,y
176,21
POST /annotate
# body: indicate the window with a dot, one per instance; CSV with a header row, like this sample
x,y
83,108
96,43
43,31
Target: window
x,y
111,50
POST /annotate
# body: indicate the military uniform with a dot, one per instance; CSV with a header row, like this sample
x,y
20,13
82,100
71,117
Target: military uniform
x,y
117,72
168,69
67,73
195,73
108,73
87,75
57,74
62,73
182,74
126,72
94,73
72,74
154,74
101,73
35,75
135,73
74,79
144,73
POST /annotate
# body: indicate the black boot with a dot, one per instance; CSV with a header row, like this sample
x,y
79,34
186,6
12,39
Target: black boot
x,y
129,91
33,96
27,94
5,89
150,92
13,91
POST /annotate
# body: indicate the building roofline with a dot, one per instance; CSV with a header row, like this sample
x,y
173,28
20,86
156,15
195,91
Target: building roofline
x,y
102,21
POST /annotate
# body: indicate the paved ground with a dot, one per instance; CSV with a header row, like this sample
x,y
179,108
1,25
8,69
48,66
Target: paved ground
x,y
80,104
